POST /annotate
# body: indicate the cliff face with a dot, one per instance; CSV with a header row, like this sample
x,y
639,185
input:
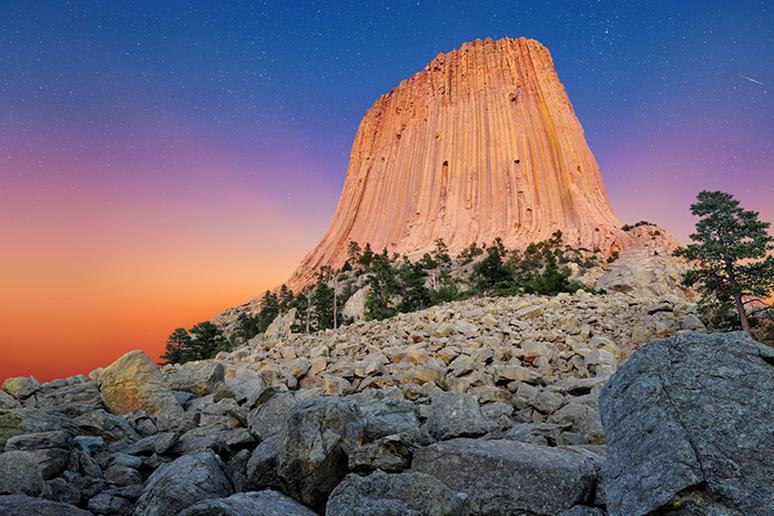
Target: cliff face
x,y
482,143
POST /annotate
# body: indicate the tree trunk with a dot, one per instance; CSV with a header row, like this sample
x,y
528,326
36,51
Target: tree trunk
x,y
738,298
743,315
335,315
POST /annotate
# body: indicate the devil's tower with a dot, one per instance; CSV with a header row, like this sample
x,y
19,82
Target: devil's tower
x,y
482,143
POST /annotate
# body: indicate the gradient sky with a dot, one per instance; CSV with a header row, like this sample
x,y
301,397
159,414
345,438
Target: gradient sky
x,y
160,161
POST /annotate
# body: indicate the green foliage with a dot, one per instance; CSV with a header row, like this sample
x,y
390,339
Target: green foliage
x,y
415,295
731,249
383,285
270,309
366,257
202,341
551,280
491,273
304,321
627,227
177,346
468,254
285,299
247,327
322,301
536,271
353,251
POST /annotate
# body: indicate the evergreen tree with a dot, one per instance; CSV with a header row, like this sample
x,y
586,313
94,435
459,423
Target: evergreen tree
x,y
353,251
322,300
383,286
415,295
366,257
206,341
285,298
491,273
178,345
730,247
269,310
247,327
303,323
441,255
551,280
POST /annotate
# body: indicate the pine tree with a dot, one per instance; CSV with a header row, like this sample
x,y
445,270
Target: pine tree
x,y
491,272
353,251
366,257
414,294
269,310
206,341
322,300
247,327
285,298
178,344
383,285
730,247
303,323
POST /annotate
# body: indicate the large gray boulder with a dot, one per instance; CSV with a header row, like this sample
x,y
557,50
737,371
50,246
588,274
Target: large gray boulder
x,y
390,416
182,483
380,494
26,421
133,383
689,423
20,474
509,477
263,503
454,414
262,465
315,441
20,505
21,387
266,420
72,397
199,378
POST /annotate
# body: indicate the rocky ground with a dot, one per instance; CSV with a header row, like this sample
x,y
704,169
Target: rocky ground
x,y
485,406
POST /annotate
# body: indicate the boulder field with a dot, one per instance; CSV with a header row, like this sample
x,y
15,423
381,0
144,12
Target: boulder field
x,y
526,405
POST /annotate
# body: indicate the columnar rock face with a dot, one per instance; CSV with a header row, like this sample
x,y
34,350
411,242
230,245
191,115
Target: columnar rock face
x,y
482,143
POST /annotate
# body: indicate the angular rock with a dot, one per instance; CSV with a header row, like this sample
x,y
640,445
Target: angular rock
x,y
118,474
21,387
72,399
263,503
454,414
407,493
315,439
582,419
198,378
111,428
20,505
105,503
688,422
158,444
8,402
133,383
389,453
509,477
38,440
25,421
266,419
20,474
182,483
262,466
49,449
390,416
